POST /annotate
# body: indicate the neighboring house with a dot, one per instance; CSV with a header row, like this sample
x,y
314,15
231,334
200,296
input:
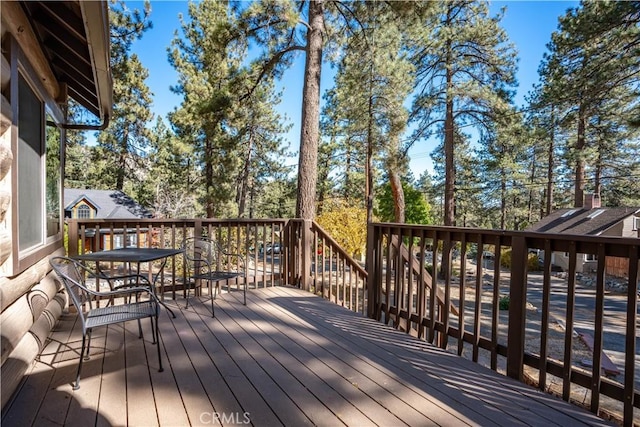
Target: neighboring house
x,y
106,204
51,51
590,220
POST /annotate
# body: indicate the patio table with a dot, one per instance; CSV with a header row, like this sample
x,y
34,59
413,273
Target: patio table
x,y
137,256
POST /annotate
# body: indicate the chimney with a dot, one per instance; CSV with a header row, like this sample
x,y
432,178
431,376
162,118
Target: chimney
x,y
591,201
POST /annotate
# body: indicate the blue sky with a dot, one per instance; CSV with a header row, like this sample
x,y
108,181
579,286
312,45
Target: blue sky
x,y
529,25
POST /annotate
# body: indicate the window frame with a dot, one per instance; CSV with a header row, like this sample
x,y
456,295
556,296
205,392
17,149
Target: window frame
x,y
84,207
20,260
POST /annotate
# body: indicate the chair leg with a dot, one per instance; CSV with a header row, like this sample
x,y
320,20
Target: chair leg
x,y
139,329
187,285
157,338
76,386
86,356
213,313
153,334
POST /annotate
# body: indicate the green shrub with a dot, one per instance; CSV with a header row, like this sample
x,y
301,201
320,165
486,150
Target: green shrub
x,y
429,268
503,304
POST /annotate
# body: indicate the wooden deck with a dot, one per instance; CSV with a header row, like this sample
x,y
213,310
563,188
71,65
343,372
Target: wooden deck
x,y
287,358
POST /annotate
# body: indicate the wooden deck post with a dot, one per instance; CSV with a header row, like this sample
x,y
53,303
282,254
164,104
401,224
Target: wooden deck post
x,y
517,308
73,237
371,265
197,228
289,255
305,255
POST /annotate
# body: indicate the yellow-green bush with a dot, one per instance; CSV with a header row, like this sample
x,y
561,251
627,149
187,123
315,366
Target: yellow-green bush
x,y
347,225
532,260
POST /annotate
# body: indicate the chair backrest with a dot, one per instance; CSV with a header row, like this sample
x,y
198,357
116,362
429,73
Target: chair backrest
x,y
203,255
73,275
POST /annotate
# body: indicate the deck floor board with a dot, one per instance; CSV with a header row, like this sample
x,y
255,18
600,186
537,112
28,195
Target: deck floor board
x,y
286,358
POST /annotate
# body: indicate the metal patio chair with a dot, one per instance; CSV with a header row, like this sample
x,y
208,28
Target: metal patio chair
x,y
206,260
139,302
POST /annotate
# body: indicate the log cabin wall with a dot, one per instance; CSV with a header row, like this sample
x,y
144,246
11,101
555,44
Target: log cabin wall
x,y
30,301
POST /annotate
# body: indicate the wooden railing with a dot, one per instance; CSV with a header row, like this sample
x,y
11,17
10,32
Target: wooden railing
x,y
447,286
251,238
320,265
533,338
277,251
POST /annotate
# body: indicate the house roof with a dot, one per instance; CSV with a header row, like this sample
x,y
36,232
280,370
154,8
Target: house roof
x,y
582,221
109,204
74,36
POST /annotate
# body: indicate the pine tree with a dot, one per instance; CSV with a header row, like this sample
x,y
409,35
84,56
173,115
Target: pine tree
x,y
172,175
258,131
226,116
594,58
205,62
504,163
282,31
465,66
366,108
76,153
123,145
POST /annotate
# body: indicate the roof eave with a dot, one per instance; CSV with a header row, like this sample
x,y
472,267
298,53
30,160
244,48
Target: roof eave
x,y
95,15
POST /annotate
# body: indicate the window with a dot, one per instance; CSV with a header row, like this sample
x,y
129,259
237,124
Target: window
x,y
121,241
636,223
30,176
39,177
590,257
53,178
84,212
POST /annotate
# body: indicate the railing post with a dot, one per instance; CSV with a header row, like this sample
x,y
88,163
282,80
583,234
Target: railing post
x,y
291,238
517,308
371,266
197,228
72,241
305,255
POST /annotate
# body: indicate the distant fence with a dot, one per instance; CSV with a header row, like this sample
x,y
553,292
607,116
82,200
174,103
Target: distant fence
x,y
616,266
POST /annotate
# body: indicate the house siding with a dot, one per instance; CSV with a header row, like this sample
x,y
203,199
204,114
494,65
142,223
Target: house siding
x,y
627,228
616,230
30,300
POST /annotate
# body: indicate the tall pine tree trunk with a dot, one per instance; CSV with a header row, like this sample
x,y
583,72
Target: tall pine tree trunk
x,y
369,171
503,200
310,126
398,195
122,161
449,163
580,144
598,173
244,179
208,177
550,160
449,140
532,180
369,175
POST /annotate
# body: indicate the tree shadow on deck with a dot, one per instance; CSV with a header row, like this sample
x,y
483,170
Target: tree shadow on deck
x,y
471,392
